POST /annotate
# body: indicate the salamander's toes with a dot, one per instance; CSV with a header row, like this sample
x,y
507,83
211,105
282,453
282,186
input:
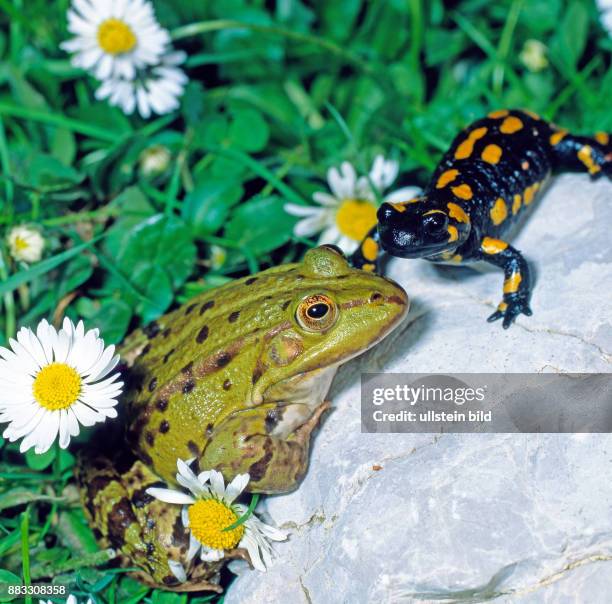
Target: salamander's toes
x,y
509,311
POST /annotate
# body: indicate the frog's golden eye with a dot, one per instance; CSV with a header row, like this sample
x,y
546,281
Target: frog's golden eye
x,y
316,313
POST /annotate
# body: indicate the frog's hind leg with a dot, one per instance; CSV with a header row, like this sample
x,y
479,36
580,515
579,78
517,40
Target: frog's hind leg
x,y
582,153
143,531
245,443
368,255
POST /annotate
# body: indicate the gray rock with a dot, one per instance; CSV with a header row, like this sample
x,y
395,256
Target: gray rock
x,y
473,517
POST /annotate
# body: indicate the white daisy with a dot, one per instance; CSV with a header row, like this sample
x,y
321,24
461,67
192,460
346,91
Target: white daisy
x,y
114,38
210,508
349,212
154,160
52,381
605,8
25,244
154,90
69,600
533,55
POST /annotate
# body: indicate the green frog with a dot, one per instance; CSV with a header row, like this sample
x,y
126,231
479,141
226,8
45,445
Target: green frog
x,y
235,379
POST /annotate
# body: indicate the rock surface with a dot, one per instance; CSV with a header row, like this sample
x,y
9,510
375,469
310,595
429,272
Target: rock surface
x,y
474,517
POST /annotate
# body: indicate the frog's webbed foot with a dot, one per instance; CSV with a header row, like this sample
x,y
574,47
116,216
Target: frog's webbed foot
x,y
517,281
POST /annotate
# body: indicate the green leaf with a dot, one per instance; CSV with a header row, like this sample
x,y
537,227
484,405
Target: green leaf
x,y
206,207
63,145
570,39
112,319
260,225
156,286
40,462
164,597
75,532
75,273
43,267
7,578
162,242
248,130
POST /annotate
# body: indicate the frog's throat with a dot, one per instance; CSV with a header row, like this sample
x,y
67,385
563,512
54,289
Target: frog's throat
x,y
307,388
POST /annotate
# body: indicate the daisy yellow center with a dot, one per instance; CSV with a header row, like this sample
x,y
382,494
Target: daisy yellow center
x,y
116,37
355,218
21,244
208,518
57,386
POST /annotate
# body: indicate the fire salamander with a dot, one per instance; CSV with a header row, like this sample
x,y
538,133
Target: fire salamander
x,y
484,183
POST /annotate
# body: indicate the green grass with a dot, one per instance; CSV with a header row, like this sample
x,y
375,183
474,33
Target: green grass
x,y
276,97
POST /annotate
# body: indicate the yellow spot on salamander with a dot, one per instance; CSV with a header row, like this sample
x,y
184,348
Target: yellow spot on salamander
x,y
492,154
516,204
464,150
531,114
434,212
499,211
493,246
463,191
502,306
511,284
369,267
369,249
457,258
399,207
511,125
585,155
525,165
497,115
446,177
453,233
602,138
528,195
455,211
557,137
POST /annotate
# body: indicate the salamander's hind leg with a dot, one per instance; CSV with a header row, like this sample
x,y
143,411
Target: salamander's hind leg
x,y
517,281
368,254
583,153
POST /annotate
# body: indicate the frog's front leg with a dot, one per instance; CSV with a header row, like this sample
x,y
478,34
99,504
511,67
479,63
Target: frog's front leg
x,y
517,281
245,442
368,254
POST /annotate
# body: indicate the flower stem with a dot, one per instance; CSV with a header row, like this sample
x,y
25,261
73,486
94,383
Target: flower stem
x,y
246,515
25,550
9,301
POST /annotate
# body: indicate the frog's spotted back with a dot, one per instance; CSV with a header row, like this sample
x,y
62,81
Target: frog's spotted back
x,y
245,343
486,180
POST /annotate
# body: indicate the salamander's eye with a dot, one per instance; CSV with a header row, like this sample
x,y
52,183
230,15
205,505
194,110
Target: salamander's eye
x,y
435,222
316,313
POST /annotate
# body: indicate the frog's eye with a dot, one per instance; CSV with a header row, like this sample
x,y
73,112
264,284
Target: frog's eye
x,y
316,313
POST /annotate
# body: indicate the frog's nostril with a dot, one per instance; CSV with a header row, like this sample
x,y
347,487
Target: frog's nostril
x,y
376,297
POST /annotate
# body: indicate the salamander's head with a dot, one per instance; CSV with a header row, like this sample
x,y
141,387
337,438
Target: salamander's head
x,y
418,228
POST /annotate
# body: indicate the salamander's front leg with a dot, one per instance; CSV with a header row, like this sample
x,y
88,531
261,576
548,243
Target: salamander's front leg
x,y
517,282
368,254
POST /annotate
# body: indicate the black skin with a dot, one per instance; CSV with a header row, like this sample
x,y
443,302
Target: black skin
x,y
526,150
